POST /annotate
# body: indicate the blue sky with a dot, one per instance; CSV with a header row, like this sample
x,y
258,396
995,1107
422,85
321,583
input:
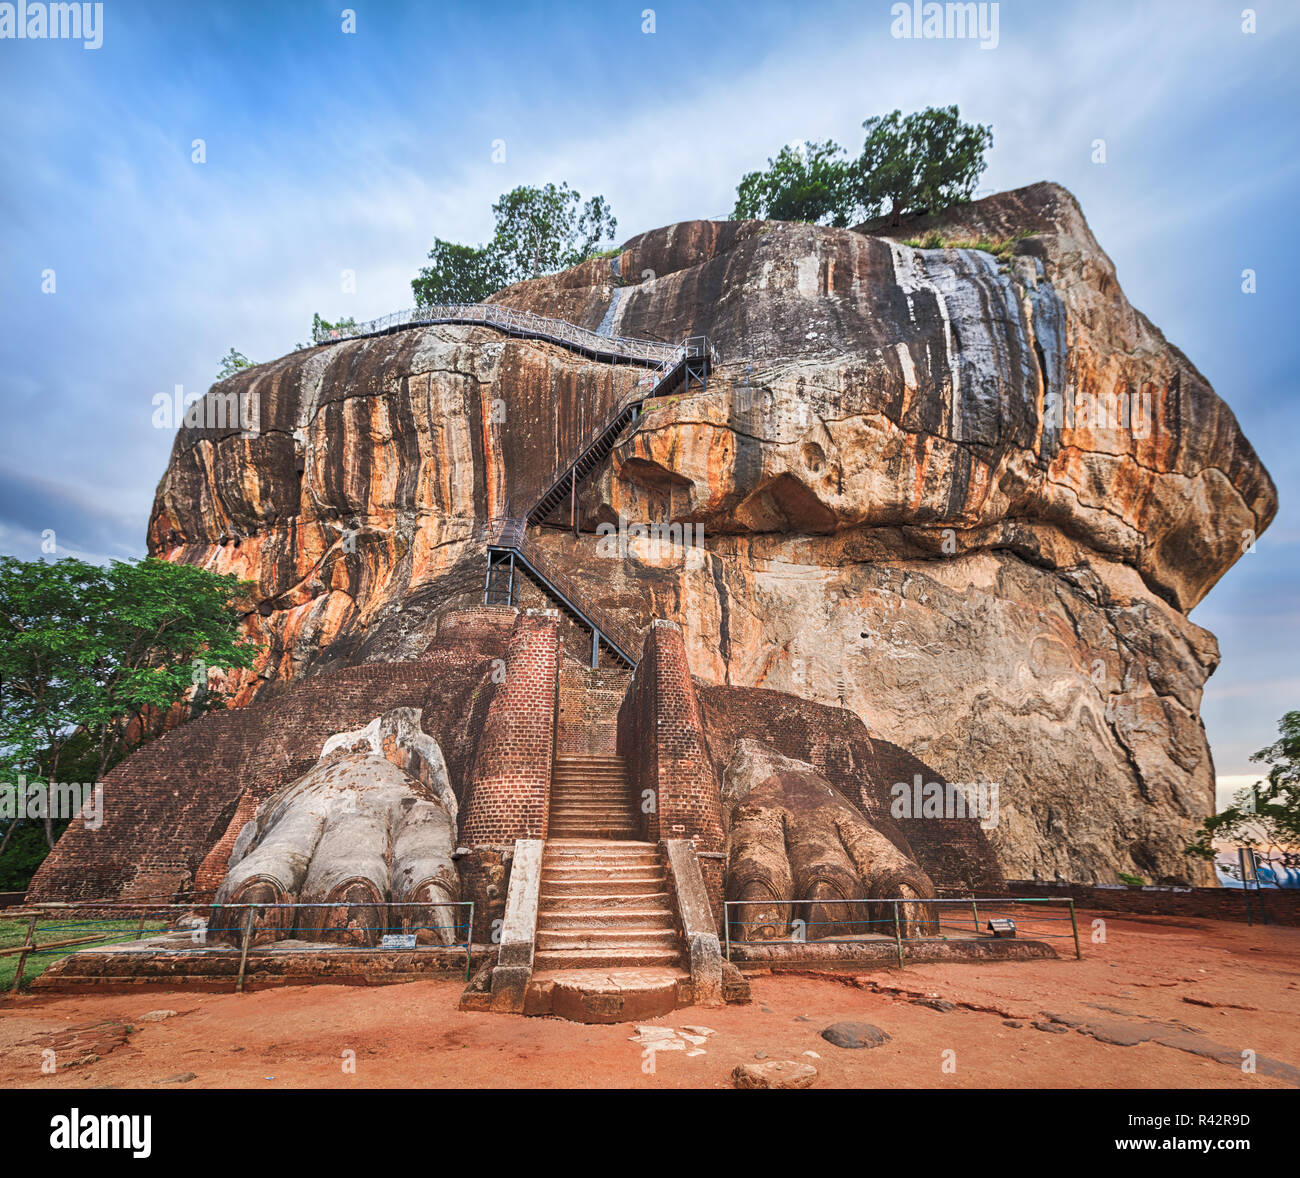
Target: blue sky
x,y
329,151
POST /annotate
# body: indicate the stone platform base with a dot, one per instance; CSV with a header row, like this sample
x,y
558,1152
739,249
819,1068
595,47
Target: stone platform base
x,y
883,951
608,995
173,961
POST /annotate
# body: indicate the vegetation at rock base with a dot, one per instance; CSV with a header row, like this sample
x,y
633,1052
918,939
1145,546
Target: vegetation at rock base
x,y
538,231
917,163
233,362
1267,815
89,658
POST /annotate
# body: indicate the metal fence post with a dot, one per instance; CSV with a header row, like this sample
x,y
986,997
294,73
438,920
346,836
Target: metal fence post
x,y
28,945
243,954
726,925
469,942
1074,924
898,934
975,911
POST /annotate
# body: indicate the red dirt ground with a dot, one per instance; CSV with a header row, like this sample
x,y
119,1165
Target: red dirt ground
x,y
1194,995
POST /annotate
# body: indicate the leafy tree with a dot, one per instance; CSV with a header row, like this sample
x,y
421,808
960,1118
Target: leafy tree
x,y
458,274
813,182
233,362
1266,816
88,655
320,327
541,230
538,231
919,163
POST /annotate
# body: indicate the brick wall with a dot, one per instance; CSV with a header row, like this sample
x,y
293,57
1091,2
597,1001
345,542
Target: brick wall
x,y
661,733
589,704
1280,906
511,779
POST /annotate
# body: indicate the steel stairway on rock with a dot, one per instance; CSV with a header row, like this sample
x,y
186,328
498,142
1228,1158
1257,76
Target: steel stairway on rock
x,y
510,555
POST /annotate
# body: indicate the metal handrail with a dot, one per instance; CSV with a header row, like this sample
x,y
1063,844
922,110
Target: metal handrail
x,y
508,319
67,921
615,632
895,923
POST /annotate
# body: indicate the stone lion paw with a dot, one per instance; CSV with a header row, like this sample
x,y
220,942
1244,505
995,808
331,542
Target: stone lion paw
x,y
801,852
371,827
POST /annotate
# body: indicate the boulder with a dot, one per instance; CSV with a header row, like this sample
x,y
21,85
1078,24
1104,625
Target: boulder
x,y
774,1073
855,1036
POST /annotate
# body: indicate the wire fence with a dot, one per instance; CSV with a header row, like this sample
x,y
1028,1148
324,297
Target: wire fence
x,y
829,921
270,929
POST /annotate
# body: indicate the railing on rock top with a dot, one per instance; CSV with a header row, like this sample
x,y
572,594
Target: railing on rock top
x,y
514,322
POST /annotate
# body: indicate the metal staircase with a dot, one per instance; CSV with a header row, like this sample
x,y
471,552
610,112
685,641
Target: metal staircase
x,y
510,555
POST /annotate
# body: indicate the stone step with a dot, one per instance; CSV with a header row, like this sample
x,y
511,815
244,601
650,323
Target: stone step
x,y
609,832
605,822
609,996
599,844
602,817
596,857
564,797
589,775
559,770
606,918
562,867
646,885
615,817
604,958
590,789
585,789
589,759
582,779
611,903
603,939
594,819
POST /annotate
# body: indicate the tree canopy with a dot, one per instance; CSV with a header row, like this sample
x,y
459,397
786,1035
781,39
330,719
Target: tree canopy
x,y
89,654
538,231
1266,816
915,163
233,362
919,163
806,182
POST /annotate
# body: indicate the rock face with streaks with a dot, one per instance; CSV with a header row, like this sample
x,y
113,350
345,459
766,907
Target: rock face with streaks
x,y
970,497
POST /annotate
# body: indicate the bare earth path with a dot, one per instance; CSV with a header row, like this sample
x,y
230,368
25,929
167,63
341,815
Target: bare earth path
x,y
1163,1003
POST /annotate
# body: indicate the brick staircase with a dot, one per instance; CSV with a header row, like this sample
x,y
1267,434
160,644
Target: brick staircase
x,y
591,798
603,901
604,904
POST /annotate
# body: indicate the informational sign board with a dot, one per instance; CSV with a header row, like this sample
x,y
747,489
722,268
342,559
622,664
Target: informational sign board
x,y
397,941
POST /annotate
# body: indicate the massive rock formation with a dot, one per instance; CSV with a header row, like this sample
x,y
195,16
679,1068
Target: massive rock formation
x,y
969,497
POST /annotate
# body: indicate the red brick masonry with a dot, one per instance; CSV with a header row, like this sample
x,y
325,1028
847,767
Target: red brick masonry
x,y
510,789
